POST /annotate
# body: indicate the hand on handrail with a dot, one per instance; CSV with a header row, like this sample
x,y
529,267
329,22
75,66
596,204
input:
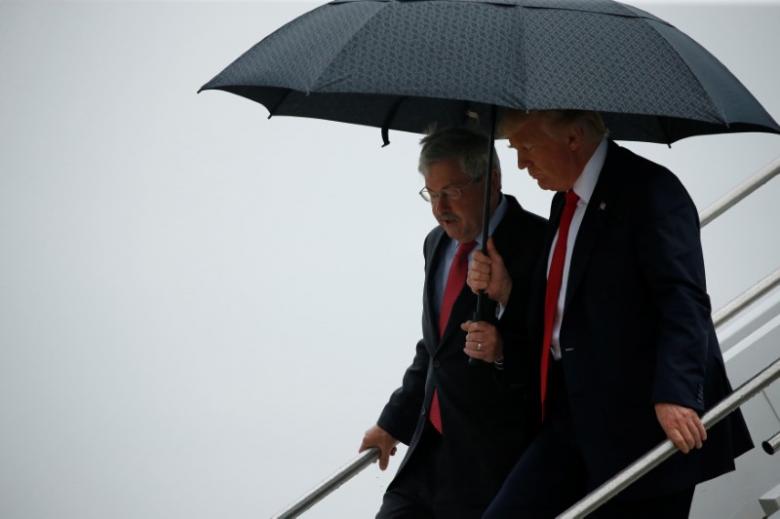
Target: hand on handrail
x,y
378,437
681,425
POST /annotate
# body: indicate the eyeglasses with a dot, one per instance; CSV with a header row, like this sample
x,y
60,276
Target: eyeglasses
x,y
452,192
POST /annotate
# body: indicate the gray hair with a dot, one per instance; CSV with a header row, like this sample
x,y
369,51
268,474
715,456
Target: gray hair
x,y
468,146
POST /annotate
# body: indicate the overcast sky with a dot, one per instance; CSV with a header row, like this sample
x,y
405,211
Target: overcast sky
x,y
201,310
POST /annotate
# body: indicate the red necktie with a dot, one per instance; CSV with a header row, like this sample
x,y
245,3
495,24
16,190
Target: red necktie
x,y
554,279
455,281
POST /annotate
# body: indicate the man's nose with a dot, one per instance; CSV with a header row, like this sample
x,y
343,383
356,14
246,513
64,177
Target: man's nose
x,y
441,203
522,162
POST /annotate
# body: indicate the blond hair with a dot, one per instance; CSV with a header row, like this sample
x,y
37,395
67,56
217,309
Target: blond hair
x,y
591,122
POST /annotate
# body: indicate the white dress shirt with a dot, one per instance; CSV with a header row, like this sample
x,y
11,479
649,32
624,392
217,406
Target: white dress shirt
x,y
583,187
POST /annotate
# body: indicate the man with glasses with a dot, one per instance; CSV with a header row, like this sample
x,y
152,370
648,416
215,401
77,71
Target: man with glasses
x,y
465,422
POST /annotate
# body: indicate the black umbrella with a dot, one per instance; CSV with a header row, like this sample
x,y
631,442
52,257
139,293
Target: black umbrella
x,y
405,64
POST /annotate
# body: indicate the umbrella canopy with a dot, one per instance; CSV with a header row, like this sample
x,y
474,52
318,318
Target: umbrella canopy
x,y
405,64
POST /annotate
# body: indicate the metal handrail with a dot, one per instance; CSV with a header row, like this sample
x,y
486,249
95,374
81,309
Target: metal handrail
x,y
365,459
734,196
772,445
749,296
640,467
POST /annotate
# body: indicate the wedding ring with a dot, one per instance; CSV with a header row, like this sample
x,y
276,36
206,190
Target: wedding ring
x,y
479,346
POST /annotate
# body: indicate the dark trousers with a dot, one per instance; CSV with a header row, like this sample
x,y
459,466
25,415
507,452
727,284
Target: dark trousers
x,y
424,487
551,475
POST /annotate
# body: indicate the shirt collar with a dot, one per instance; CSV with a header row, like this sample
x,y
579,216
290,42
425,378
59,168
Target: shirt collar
x,y
495,219
586,182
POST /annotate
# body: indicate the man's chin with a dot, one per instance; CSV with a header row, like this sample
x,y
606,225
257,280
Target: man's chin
x,y
544,185
452,230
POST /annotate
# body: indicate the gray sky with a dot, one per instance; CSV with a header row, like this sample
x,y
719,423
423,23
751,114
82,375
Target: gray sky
x,y
202,310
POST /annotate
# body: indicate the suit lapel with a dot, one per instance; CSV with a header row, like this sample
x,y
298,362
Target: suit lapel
x,y
593,223
556,209
431,327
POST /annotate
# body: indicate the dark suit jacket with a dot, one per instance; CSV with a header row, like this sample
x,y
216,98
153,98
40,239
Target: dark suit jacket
x,y
485,412
637,329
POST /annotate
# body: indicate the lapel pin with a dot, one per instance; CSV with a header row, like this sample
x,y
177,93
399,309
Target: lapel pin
x,y
602,206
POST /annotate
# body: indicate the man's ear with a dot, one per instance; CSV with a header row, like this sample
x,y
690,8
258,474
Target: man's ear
x,y
575,137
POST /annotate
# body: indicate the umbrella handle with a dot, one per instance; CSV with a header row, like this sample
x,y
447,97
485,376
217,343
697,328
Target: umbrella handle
x,y
479,315
479,311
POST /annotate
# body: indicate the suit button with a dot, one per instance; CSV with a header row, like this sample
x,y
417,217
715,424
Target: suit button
x,y
436,364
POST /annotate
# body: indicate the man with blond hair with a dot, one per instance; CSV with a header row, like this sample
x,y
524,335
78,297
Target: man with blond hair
x,y
624,345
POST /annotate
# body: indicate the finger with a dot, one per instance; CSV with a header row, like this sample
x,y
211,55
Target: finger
x,y
475,337
384,459
475,287
481,258
678,441
393,451
485,351
481,267
476,275
480,264
476,348
692,426
687,435
466,326
482,326
702,430
478,326
473,353
488,331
